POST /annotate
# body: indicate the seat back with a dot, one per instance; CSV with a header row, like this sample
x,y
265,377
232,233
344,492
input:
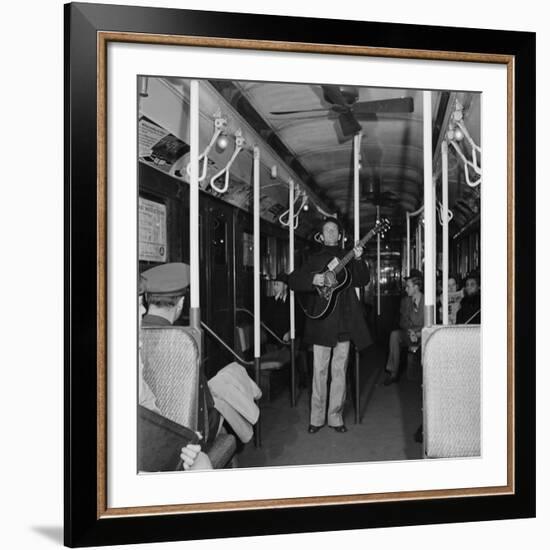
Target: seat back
x,y
171,369
244,338
451,387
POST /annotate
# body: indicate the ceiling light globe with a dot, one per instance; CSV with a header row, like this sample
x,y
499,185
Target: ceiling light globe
x,y
222,142
458,134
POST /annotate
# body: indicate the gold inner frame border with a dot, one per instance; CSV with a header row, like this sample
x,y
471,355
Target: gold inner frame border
x,y
103,39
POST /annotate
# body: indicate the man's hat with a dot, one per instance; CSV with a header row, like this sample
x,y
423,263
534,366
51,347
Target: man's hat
x,y
167,279
415,273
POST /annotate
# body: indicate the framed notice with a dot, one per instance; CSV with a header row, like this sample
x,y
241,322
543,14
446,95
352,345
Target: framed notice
x,y
152,231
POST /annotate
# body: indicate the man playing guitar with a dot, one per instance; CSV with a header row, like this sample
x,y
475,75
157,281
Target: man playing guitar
x,y
333,328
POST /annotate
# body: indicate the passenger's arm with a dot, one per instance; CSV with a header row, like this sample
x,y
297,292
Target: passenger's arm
x,y
403,314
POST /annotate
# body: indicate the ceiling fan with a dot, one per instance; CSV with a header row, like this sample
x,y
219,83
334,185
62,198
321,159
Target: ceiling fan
x,y
343,102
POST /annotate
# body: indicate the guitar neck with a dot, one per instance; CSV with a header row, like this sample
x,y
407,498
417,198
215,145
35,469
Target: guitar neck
x,y
347,258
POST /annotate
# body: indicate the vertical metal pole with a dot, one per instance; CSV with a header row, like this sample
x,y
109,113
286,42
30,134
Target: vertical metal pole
x,y
417,255
408,245
291,269
445,231
434,244
257,313
429,214
194,262
378,264
423,241
356,161
356,237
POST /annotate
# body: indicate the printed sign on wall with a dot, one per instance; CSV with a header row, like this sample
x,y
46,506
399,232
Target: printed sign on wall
x,y
152,231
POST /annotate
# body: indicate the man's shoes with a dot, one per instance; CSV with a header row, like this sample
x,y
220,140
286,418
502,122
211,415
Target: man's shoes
x,y
340,429
390,379
313,429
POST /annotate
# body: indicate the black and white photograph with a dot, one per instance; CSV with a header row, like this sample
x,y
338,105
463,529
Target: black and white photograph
x,y
270,276
309,274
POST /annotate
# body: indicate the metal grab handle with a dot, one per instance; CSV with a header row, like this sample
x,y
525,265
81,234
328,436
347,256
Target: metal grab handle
x,y
239,146
220,124
267,329
226,346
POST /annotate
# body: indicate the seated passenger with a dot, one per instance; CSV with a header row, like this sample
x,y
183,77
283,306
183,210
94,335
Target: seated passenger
x,y
191,455
411,322
165,287
455,294
470,305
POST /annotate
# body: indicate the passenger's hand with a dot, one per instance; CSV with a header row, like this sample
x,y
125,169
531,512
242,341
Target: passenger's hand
x,y
286,337
189,455
319,279
358,251
202,462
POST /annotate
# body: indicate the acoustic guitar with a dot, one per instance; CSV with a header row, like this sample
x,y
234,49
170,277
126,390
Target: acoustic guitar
x,y
337,278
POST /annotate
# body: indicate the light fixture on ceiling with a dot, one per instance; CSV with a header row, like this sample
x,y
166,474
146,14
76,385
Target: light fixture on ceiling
x,y
222,142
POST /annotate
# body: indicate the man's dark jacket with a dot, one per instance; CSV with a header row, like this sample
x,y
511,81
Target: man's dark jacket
x,y
346,321
470,310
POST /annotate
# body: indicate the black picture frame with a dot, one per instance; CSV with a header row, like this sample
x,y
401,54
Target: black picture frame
x,y
84,524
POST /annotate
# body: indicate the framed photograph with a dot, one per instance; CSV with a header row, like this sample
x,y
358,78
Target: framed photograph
x,y
299,268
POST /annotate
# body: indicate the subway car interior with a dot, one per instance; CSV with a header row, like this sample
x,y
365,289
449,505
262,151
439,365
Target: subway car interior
x,y
236,181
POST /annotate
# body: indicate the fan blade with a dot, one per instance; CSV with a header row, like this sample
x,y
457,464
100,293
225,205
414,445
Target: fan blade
x,y
397,105
365,117
349,124
334,95
300,111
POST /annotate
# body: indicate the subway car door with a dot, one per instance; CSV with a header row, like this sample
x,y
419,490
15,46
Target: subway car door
x,y
218,266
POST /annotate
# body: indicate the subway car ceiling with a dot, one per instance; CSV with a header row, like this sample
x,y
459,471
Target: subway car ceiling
x,y
305,132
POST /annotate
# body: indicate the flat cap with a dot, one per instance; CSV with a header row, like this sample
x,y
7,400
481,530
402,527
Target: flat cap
x,y
169,279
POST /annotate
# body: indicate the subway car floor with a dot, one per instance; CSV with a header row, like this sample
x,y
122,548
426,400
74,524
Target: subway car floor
x,y
390,416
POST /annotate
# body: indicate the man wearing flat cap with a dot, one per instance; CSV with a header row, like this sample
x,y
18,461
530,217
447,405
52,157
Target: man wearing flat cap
x,y
411,321
166,286
192,458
